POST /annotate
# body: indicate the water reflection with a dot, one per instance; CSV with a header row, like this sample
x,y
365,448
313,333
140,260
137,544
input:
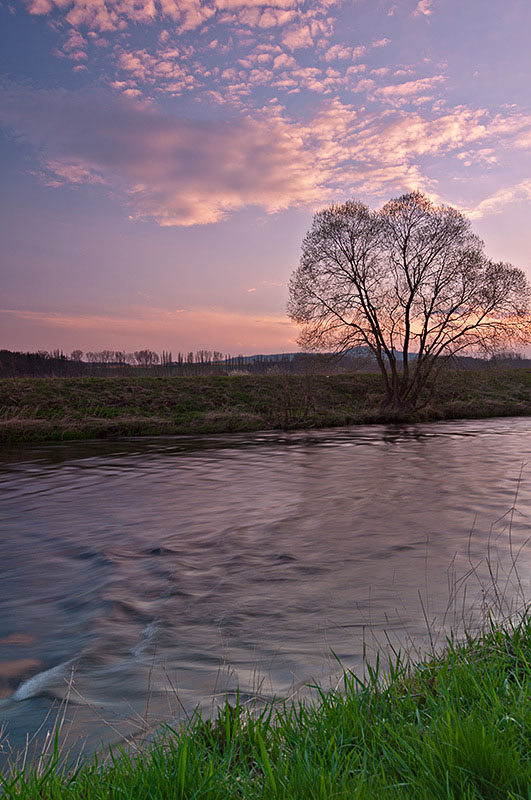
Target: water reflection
x,y
192,565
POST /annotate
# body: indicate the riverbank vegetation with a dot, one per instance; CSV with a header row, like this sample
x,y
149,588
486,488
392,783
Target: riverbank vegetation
x,y
456,725
40,409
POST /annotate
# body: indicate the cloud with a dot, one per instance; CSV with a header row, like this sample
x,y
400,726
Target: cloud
x,y
364,85
401,135
297,37
338,52
168,70
187,66
177,171
275,17
483,155
71,171
115,15
399,93
284,61
75,46
423,8
500,199
180,171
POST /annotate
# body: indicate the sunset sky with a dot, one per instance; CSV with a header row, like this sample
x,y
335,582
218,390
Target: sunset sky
x,y
161,159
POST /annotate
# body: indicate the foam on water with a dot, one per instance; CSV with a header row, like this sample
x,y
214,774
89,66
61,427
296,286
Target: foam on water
x,y
146,637
38,684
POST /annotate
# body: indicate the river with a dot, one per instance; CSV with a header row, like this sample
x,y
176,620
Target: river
x,y
145,577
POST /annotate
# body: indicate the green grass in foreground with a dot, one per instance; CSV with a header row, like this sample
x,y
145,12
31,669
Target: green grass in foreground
x,y
44,409
455,726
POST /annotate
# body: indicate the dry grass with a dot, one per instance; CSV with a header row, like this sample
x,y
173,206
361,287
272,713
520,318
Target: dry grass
x,y
40,409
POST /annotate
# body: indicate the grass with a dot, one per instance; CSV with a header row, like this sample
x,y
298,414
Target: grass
x,y
41,409
456,725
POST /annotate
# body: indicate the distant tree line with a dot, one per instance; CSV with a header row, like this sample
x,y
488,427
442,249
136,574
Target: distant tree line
x,y
105,363
147,362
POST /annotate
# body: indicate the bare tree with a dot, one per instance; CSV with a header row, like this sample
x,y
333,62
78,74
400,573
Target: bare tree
x,y
107,356
76,355
146,358
410,282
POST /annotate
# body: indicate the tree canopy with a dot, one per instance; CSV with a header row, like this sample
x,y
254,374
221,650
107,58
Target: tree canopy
x,y
412,283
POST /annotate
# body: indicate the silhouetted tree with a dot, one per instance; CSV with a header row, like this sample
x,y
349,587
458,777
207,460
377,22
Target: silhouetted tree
x,y
412,283
146,358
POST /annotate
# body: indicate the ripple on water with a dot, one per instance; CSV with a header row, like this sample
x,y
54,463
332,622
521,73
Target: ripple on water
x,y
190,565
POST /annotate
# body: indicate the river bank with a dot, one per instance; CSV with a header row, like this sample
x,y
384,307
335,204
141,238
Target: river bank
x,y
456,725
47,409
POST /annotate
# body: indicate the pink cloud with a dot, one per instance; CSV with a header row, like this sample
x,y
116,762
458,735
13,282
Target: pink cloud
x,y
423,8
73,171
398,93
113,15
184,172
359,52
284,61
233,4
298,24
500,199
337,52
168,69
75,45
177,171
275,17
364,85
297,37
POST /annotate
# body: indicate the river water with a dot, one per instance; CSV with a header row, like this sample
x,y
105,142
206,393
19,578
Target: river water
x,y
145,577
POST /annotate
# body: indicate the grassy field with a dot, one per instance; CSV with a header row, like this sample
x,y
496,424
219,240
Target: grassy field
x,y
40,409
455,726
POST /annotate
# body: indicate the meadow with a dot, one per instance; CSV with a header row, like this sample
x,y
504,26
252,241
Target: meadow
x,y
44,409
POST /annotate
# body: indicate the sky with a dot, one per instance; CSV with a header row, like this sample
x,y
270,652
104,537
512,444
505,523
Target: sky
x,y
161,160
